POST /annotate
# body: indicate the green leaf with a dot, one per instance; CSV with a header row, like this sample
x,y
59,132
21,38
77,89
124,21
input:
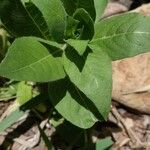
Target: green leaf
x,y
88,5
19,112
104,144
123,36
71,103
11,119
19,21
100,6
92,74
94,7
55,16
70,6
55,122
71,27
79,45
24,92
29,60
86,23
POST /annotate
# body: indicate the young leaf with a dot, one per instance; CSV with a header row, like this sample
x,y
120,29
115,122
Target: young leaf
x,y
100,6
24,92
71,103
19,112
71,27
79,45
55,16
20,22
86,24
94,79
94,7
8,93
123,36
29,60
70,6
88,5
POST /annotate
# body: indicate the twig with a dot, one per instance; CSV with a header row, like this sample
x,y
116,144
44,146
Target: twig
x,y
35,140
135,140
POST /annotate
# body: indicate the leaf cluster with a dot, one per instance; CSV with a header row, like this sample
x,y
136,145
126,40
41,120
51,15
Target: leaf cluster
x,y
68,45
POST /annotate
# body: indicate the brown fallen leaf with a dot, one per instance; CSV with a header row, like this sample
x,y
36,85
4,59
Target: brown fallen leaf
x,y
144,9
131,82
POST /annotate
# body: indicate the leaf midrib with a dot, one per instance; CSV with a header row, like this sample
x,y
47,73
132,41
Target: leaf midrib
x,y
54,13
35,23
120,34
30,65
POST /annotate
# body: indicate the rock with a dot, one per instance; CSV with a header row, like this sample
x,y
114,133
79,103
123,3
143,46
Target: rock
x,y
114,8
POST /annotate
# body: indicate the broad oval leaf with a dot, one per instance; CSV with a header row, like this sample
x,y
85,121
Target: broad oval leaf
x,y
94,79
27,59
22,21
55,16
123,36
71,103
